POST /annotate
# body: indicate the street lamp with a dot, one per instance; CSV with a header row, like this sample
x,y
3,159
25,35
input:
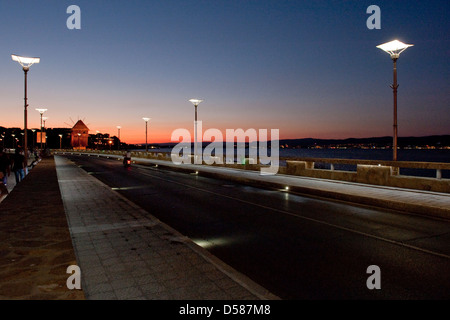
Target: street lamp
x,y
26,63
118,128
14,140
41,111
60,141
33,130
394,48
45,130
146,122
195,102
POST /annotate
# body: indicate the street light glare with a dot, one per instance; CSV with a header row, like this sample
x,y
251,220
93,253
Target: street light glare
x,y
41,111
146,119
25,62
196,102
394,48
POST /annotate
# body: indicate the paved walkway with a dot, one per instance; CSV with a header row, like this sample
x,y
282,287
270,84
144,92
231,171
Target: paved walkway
x,y
35,243
427,203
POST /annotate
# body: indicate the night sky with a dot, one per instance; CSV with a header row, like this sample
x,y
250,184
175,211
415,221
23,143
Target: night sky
x,y
307,68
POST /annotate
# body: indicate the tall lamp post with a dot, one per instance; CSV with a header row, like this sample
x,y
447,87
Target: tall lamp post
x,y
394,48
146,123
33,130
195,102
41,111
45,130
26,63
118,144
60,141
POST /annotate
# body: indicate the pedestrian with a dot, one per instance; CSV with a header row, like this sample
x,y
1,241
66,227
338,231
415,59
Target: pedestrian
x,y
18,165
5,166
3,189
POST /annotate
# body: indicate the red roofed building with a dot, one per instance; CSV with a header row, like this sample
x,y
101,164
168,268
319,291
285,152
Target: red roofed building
x,y
80,135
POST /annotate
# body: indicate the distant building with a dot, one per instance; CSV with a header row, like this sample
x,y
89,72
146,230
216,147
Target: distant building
x,y
79,136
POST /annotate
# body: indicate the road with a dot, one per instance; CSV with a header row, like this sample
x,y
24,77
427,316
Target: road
x,y
296,246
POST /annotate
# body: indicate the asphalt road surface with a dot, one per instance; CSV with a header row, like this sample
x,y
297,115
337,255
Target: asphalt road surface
x,y
296,246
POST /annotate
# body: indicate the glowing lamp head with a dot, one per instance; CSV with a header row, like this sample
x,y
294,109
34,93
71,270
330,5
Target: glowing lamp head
x,y
195,102
41,111
146,119
25,62
394,48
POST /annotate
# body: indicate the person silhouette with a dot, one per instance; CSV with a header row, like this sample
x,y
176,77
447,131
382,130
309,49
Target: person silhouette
x,y
18,165
5,166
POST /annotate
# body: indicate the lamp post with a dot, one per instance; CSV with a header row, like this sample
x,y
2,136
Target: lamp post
x,y
41,111
26,63
14,140
60,141
45,130
195,102
33,130
394,48
146,123
118,144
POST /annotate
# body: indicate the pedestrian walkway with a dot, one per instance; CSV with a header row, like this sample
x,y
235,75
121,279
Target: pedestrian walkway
x,y
427,203
35,243
126,253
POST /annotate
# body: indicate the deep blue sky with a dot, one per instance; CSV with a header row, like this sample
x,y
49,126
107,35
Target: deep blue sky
x,y
308,68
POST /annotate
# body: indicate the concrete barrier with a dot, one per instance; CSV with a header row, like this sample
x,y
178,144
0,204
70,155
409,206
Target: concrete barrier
x,y
370,174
